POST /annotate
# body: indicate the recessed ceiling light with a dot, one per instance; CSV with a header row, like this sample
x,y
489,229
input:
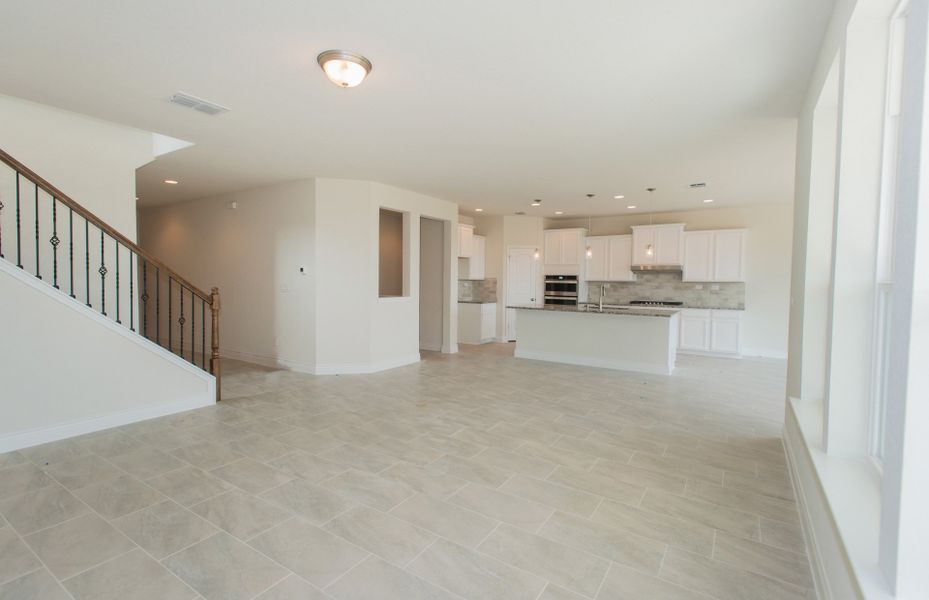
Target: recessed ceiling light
x,y
559,212
344,69
708,200
171,181
631,206
478,210
536,202
618,197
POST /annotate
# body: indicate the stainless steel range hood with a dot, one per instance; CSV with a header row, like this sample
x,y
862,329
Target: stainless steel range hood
x,y
660,268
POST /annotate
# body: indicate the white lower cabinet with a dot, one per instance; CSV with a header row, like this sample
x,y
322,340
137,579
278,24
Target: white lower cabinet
x,y
705,331
477,323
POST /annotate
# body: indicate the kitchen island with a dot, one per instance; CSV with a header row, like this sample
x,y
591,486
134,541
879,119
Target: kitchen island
x,y
626,339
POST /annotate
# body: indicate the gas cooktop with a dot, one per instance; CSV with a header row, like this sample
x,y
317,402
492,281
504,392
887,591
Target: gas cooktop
x,y
656,303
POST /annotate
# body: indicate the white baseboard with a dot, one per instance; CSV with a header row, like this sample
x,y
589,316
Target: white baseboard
x,y
267,361
430,347
708,353
34,437
585,361
362,368
762,353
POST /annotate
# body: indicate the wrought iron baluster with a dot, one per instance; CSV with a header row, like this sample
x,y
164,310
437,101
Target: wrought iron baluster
x,y
144,297
193,318
19,252
71,247
203,333
54,241
87,259
1,229
117,281
103,271
158,305
181,321
131,298
38,268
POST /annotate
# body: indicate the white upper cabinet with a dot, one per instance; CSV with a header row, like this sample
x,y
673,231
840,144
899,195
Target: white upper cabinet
x,y
729,257
473,267
698,256
598,262
564,251
611,258
465,240
714,255
658,244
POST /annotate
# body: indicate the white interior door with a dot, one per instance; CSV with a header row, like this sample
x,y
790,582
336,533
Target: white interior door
x,y
520,284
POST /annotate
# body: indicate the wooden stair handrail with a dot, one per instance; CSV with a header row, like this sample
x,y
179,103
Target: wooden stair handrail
x,y
111,231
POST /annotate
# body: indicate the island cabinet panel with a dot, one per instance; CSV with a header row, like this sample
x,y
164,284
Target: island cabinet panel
x,y
610,259
695,330
714,256
658,244
465,240
716,332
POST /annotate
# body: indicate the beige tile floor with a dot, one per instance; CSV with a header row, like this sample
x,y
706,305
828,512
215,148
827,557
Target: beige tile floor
x,y
473,476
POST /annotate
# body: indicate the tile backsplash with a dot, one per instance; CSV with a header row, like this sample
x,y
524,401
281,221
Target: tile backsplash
x,y
477,290
668,286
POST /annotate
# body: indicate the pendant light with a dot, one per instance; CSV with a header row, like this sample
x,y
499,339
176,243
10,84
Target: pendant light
x,y
650,250
590,251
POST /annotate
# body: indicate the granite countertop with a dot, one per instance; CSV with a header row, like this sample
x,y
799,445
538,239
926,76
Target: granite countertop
x,y
613,310
477,302
687,305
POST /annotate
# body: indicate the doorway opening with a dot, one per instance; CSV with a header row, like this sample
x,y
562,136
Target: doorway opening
x,y
431,284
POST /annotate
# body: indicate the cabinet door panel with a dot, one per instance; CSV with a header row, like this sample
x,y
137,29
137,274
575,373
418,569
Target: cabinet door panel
x,y
729,256
725,335
554,254
695,332
620,258
641,240
669,246
570,247
698,256
478,258
465,241
597,263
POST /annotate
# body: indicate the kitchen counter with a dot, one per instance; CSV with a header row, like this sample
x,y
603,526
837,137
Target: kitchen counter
x,y
629,311
477,302
643,339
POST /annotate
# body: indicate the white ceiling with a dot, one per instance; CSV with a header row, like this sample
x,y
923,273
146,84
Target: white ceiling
x,y
487,103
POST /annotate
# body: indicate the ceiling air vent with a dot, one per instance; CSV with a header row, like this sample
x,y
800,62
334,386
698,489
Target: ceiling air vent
x,y
197,104
697,185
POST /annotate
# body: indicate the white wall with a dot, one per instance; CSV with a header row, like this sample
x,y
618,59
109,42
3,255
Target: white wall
x,y
253,253
432,304
91,161
767,266
104,374
491,227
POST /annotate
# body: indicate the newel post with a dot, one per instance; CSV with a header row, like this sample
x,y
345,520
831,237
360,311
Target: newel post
x,y
214,357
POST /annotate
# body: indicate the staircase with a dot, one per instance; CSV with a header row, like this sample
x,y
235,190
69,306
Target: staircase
x,y
45,233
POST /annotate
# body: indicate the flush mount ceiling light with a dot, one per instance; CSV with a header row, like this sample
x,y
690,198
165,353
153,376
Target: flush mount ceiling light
x,y
708,200
620,197
632,206
536,202
171,181
478,210
559,212
344,69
